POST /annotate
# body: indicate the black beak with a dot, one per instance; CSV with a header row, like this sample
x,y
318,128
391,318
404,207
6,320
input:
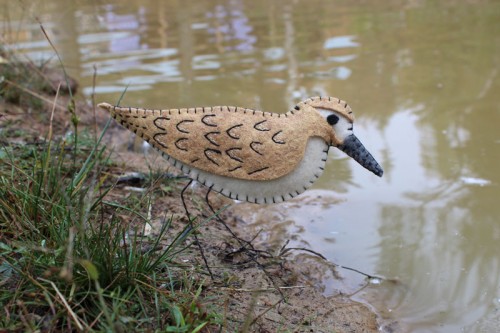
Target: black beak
x,y
355,149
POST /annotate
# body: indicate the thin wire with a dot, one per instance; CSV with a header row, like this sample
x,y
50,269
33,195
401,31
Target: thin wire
x,y
240,240
191,227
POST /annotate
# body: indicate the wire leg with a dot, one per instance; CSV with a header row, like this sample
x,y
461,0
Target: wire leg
x,y
240,240
255,252
192,228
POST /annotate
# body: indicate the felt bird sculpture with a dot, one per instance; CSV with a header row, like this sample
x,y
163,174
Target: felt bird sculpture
x,y
251,155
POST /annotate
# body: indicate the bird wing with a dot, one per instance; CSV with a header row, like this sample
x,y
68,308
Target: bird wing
x,y
228,141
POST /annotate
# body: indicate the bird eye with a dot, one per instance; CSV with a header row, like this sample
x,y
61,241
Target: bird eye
x,y
332,119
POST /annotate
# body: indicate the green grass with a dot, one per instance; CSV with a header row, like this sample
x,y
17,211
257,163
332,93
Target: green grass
x,y
72,261
72,258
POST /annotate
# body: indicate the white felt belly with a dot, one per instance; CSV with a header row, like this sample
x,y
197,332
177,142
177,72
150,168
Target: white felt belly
x,y
270,191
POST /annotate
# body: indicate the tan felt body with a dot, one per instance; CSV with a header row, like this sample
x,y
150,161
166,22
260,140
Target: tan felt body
x,y
231,141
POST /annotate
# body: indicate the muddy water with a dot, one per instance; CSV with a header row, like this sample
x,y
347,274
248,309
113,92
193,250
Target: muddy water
x,y
423,80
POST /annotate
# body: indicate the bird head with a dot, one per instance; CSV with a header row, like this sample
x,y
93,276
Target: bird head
x,y
339,119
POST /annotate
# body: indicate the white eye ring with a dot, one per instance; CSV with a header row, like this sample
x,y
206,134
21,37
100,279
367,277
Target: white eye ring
x,y
342,126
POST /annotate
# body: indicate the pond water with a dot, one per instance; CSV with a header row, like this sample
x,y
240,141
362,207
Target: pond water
x,y
421,76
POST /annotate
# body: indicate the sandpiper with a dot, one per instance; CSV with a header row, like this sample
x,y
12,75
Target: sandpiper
x,y
244,154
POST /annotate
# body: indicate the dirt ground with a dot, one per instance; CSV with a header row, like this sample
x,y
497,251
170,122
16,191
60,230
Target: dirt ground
x,y
263,289
270,291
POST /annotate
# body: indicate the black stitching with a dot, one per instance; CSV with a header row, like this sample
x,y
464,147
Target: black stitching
x,y
297,107
205,121
183,121
159,142
177,146
206,151
234,169
229,132
257,170
254,149
236,158
207,136
277,141
260,129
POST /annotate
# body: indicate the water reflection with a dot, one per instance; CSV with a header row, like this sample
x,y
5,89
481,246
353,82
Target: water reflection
x,y
422,79
230,25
